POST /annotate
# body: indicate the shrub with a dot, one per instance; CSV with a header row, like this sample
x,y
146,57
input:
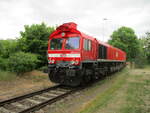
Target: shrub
x,y
21,62
3,63
140,61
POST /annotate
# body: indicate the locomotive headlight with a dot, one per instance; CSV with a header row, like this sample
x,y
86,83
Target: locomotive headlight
x,y
51,61
48,61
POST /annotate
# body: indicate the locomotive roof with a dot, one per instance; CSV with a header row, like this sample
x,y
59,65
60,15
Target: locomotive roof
x,y
87,36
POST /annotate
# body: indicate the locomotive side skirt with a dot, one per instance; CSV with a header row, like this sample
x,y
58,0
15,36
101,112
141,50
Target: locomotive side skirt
x,y
103,67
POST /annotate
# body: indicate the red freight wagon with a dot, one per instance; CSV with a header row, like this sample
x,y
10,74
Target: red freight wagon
x,y
75,58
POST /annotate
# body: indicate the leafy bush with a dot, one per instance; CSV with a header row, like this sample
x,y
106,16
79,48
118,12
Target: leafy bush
x,y
140,61
3,63
21,62
8,47
148,59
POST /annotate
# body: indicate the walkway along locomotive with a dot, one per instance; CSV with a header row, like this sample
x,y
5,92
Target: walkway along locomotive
x,y
75,58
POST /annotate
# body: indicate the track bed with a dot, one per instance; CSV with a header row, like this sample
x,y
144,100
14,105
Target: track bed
x,y
35,100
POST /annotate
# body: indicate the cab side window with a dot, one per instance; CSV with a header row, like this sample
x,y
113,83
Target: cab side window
x,y
87,44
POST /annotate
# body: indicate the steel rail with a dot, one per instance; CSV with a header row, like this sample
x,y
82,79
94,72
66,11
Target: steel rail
x,y
48,102
15,99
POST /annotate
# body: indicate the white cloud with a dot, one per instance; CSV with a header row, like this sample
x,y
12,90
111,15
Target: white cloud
x,y
88,14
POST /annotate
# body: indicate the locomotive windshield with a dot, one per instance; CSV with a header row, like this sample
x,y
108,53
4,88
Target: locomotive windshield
x,y
72,43
56,44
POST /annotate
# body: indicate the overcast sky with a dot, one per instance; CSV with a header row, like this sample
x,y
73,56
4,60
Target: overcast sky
x,y
88,14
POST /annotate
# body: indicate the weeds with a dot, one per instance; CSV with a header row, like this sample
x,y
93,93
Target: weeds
x,y
7,76
130,92
105,97
138,98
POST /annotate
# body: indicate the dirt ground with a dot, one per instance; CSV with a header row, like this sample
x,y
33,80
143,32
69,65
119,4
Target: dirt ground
x,y
28,82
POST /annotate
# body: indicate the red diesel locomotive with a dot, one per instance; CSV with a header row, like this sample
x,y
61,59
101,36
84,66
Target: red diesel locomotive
x,y
75,58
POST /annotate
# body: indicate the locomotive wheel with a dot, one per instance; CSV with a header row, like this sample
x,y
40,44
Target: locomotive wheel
x,y
86,76
56,76
52,74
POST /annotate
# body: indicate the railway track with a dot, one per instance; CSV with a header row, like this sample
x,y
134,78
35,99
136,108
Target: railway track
x,y
36,100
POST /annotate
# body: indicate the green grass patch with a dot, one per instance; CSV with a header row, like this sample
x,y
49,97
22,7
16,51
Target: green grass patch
x,y
7,76
103,98
147,67
138,97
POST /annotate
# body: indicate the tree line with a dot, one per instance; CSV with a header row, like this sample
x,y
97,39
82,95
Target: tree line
x,y
28,52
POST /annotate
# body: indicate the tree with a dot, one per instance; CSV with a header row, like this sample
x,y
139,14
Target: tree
x,y
35,39
146,45
125,39
140,59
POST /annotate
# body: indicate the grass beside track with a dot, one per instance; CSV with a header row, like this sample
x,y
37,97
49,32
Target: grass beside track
x,y
103,98
7,76
35,75
130,93
138,93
